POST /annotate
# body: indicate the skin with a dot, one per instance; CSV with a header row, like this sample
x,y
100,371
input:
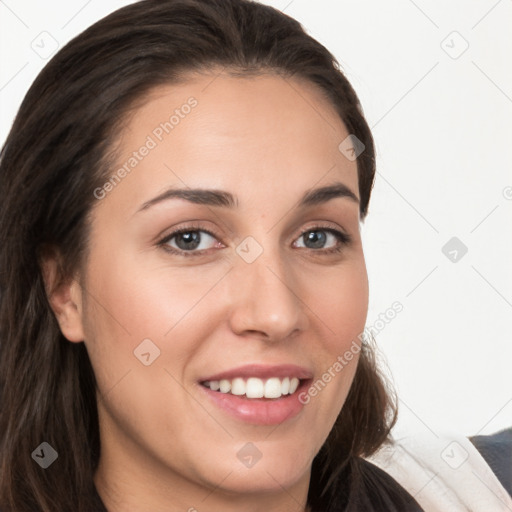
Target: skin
x,y
165,446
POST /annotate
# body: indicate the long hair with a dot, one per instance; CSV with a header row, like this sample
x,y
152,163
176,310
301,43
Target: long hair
x,y
57,153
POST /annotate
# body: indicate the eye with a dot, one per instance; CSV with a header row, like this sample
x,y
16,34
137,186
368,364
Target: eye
x,y
190,239
193,240
317,237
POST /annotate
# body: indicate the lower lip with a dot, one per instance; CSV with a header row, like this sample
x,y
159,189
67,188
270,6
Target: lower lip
x,y
259,411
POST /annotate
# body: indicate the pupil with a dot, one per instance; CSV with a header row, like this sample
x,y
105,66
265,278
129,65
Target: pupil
x,y
317,240
189,236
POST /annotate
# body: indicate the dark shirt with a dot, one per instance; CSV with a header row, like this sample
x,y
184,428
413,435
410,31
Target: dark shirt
x,y
496,449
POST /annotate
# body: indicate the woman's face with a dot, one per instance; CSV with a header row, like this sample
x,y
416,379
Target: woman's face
x,y
252,293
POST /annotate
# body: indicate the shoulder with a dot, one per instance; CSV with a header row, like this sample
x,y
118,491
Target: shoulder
x,y
383,492
444,472
496,449
356,486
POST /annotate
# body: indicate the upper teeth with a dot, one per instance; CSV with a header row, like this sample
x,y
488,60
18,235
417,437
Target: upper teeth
x,y
254,387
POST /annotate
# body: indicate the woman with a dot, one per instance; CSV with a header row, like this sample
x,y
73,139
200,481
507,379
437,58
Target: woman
x,y
183,285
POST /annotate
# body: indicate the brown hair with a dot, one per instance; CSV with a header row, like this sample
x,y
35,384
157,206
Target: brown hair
x,y
57,153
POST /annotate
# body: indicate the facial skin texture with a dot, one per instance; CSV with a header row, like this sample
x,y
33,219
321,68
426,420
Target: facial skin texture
x,y
165,445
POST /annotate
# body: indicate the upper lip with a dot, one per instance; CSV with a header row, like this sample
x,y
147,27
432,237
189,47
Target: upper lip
x,y
262,371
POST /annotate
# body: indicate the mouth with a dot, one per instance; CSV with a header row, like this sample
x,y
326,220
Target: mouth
x,y
257,394
254,387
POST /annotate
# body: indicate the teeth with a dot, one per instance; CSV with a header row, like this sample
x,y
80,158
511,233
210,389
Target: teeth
x,y
238,387
256,388
224,386
285,386
274,388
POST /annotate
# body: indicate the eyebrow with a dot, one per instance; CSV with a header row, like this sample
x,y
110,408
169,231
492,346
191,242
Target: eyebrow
x,y
212,197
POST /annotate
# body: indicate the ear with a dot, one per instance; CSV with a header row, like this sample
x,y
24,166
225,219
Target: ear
x,y
64,295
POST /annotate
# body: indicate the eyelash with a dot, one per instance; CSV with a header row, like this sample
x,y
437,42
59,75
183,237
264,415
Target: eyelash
x,y
344,238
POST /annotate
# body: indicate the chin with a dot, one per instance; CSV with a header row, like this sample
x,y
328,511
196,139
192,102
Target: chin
x,y
271,473
271,479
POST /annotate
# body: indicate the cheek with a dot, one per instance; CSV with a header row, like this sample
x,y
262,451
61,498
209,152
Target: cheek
x,y
143,327
340,302
142,302
133,311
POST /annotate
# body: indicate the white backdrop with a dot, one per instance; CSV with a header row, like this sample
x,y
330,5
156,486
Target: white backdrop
x,y
436,88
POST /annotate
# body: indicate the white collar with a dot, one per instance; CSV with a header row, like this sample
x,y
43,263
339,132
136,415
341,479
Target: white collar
x,y
446,473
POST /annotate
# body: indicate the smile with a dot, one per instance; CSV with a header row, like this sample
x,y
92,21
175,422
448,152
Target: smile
x,y
255,387
259,394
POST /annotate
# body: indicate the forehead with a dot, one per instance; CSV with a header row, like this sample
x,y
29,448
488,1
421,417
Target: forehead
x,y
261,134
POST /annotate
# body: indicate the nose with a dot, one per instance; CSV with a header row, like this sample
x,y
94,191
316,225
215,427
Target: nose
x,y
266,299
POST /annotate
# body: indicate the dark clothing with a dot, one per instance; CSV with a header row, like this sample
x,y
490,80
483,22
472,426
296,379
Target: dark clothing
x,y
496,449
